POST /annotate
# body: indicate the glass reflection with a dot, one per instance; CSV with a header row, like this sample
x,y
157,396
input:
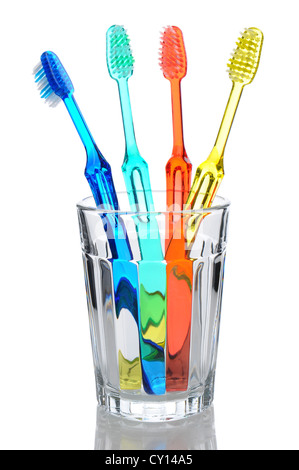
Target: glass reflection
x,y
194,433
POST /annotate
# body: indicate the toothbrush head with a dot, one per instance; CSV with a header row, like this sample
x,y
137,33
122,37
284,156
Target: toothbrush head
x,y
173,59
245,59
120,60
52,80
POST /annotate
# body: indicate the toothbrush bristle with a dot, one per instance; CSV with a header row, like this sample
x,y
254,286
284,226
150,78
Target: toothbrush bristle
x,y
120,60
52,80
245,59
173,59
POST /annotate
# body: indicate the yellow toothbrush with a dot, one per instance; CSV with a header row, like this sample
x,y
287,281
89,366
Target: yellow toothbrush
x,y
242,66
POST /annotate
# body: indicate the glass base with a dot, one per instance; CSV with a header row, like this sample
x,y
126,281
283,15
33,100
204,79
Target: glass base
x,y
172,406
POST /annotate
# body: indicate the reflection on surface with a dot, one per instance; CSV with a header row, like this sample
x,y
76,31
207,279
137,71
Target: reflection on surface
x,y
194,433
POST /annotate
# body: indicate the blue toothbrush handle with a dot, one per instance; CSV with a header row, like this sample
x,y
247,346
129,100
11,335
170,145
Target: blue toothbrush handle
x,y
99,176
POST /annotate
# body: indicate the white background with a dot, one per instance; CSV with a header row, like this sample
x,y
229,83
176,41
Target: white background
x,y
47,392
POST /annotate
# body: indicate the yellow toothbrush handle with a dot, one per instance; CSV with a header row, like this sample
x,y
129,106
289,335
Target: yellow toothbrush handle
x,y
228,117
206,183
210,173
242,69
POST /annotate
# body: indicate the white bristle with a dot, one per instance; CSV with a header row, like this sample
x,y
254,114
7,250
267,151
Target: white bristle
x,y
42,83
43,86
53,100
37,68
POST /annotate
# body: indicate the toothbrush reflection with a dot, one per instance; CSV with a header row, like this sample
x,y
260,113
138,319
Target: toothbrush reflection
x,y
194,433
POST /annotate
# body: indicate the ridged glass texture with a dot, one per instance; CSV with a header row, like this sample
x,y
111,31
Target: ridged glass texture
x,y
118,335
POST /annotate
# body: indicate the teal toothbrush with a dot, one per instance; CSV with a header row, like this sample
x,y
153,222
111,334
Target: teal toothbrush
x,y
152,268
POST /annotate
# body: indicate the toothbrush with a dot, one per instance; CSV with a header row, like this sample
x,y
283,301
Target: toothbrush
x,y
173,62
179,269
152,268
242,68
55,85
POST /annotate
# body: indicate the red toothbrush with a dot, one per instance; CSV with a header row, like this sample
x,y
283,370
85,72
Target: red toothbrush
x,y
178,178
173,63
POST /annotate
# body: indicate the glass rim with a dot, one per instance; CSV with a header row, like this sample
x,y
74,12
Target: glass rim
x,y
222,204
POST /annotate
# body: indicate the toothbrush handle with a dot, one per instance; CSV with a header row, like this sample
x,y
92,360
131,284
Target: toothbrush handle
x,y
206,182
99,175
178,181
205,185
210,173
134,168
137,179
179,167
179,315
228,117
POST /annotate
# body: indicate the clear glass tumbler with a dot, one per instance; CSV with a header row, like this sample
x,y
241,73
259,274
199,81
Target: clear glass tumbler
x,y
154,305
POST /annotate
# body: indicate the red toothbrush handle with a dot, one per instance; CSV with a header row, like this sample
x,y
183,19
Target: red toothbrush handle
x,y
179,271
178,183
179,314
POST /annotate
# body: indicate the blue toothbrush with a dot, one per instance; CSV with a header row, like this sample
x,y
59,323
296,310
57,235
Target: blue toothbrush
x,y
55,85
152,268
